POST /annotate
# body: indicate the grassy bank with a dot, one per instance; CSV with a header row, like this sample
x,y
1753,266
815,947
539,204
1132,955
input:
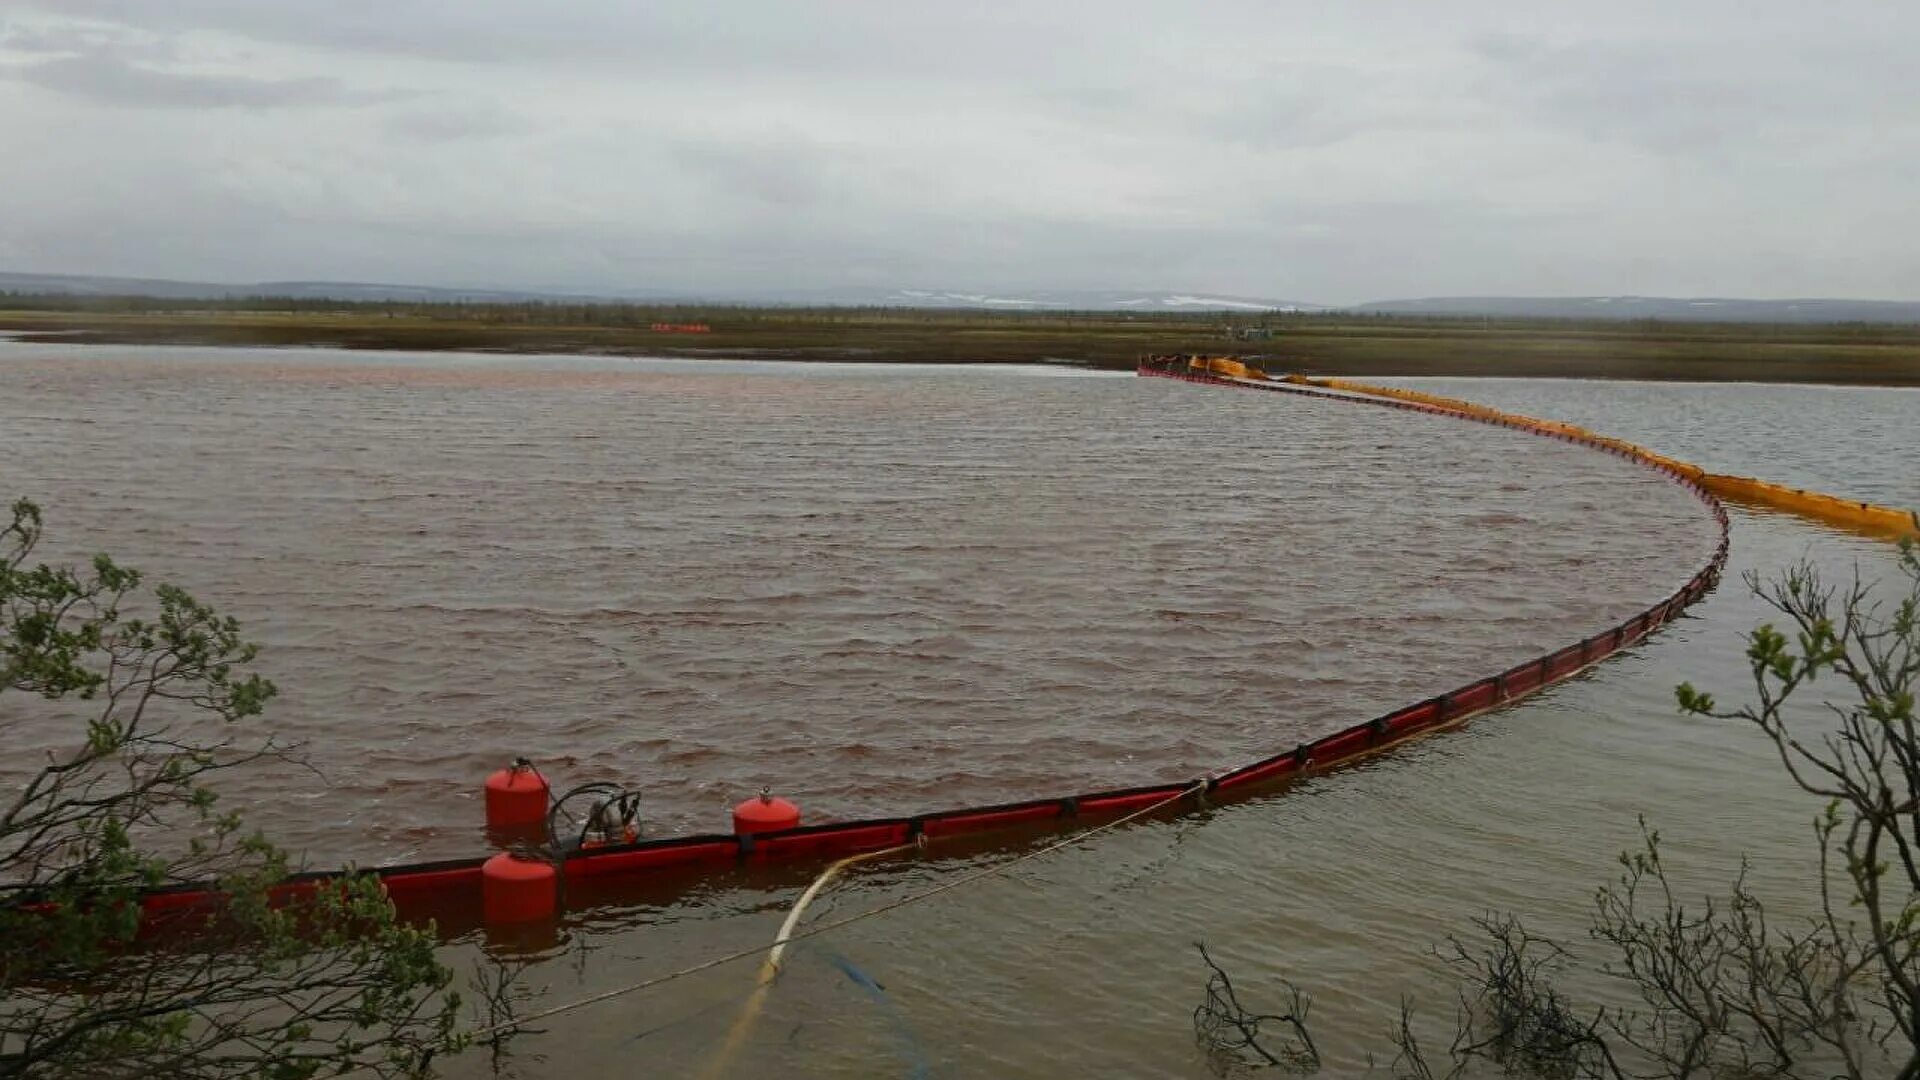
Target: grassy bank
x,y
1323,344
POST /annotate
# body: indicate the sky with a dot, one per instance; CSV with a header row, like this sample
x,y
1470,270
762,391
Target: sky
x,y
1316,152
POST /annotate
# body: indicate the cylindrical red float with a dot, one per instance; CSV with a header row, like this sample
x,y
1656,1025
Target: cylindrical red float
x,y
764,814
516,797
514,889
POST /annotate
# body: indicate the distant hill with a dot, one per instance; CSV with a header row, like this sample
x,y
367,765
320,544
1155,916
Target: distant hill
x,y
84,285
1533,307
1055,300
167,289
1653,307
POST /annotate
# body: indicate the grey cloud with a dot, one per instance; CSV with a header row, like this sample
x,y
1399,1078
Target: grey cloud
x,y
435,122
113,81
1323,152
1639,94
746,35
1688,96
782,174
71,39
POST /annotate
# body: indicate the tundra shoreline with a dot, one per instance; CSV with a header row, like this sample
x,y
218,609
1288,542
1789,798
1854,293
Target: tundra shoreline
x,y
1320,344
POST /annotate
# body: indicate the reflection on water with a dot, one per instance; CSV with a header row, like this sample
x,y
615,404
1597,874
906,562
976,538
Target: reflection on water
x,y
1069,567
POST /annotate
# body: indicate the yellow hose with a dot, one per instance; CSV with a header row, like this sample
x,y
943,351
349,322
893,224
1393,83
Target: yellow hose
x,y
770,968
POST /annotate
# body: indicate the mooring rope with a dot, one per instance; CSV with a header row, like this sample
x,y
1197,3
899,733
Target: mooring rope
x,y
507,1026
770,970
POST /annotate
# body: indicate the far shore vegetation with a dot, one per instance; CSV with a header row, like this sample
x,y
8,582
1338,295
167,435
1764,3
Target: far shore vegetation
x,y
1318,343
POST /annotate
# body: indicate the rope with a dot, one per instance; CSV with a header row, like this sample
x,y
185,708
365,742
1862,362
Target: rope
x,y
769,971
494,1030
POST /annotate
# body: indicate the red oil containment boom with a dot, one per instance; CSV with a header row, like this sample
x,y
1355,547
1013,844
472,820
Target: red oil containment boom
x,y
506,889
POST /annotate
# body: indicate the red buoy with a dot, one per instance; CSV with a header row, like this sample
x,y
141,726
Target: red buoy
x,y
515,889
516,797
764,814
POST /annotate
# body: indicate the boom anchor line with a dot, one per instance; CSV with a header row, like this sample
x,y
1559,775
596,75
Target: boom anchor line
x,y
789,934
769,831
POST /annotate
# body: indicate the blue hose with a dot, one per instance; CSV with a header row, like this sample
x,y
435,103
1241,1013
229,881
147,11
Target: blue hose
x,y
919,1069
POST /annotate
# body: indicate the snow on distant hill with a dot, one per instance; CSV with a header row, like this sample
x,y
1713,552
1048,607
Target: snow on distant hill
x,y
1090,301
1216,302
923,298
1689,309
1693,309
86,285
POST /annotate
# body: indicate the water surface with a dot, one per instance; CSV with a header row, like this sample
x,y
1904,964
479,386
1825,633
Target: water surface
x,y
878,590
918,583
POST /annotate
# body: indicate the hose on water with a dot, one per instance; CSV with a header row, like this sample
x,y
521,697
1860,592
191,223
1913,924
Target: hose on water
x,y
770,968
919,1068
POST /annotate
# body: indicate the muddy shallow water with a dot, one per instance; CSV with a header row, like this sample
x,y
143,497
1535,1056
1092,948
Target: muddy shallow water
x,y
877,590
1082,963
1009,577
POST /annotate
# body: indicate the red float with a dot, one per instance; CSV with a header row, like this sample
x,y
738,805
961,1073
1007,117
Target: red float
x,y
515,889
765,814
516,797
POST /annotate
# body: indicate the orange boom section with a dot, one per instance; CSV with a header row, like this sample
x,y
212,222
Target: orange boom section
x,y
1863,516
1231,367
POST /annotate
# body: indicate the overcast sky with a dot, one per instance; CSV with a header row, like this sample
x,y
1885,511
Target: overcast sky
x,y
1323,152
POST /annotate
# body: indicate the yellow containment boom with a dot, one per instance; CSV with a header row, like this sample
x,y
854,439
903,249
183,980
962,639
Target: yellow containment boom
x,y
1862,516
1217,365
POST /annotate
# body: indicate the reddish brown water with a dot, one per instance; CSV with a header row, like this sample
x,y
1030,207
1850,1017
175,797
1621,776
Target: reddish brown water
x,y
877,590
